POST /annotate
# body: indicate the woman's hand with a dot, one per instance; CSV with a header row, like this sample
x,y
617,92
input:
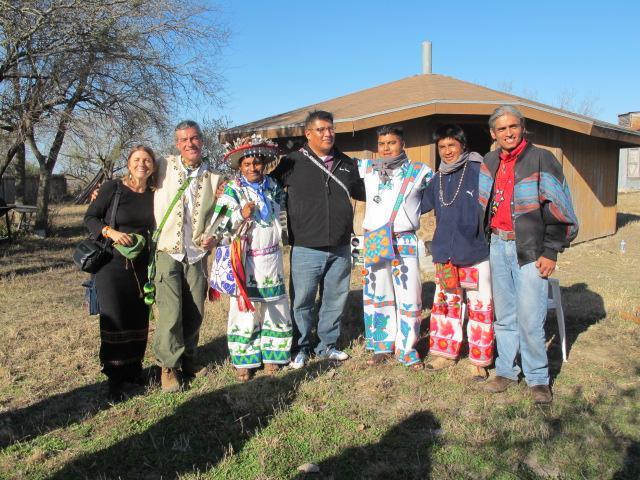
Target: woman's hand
x,y
247,210
119,237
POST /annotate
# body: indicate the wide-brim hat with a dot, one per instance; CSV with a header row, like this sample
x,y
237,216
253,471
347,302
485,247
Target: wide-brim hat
x,y
254,146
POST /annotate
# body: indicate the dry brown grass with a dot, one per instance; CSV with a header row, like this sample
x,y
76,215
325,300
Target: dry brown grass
x,y
353,421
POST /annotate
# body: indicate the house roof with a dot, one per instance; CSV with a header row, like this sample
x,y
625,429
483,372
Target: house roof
x,y
424,95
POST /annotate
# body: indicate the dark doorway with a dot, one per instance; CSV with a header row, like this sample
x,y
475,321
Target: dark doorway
x,y
478,138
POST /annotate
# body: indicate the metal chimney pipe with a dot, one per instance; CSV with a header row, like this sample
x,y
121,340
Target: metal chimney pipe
x,y
426,57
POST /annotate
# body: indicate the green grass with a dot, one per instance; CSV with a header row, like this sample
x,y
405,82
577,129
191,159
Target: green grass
x,y
350,420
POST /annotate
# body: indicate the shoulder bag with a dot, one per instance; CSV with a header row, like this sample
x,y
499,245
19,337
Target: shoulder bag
x,y
90,255
378,243
326,171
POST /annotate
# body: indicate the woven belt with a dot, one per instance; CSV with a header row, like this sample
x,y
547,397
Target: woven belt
x,y
263,251
504,234
406,232
395,234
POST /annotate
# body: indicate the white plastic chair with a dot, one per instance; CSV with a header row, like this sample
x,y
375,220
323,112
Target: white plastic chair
x,y
555,302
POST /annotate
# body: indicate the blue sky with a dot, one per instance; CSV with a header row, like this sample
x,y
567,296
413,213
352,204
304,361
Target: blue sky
x,y
284,55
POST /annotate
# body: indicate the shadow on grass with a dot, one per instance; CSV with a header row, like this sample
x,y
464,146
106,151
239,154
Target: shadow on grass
x,y
214,352
623,218
199,434
582,308
53,412
38,254
630,469
574,425
352,326
81,403
33,270
631,466
428,291
403,452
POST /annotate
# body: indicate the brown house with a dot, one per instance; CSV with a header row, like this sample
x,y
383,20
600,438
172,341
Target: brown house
x,y
587,148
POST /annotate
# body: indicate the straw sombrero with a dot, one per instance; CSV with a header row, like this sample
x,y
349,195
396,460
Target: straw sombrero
x,y
253,146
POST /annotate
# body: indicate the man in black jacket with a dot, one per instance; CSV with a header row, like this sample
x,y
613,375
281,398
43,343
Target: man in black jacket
x,y
320,181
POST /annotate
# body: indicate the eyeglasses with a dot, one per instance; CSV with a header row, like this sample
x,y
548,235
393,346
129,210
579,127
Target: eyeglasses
x,y
321,130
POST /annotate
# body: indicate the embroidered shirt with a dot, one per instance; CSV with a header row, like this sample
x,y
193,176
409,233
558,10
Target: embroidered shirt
x,y
381,198
191,251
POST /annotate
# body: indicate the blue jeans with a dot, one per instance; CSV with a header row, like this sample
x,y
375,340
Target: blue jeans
x,y
520,307
328,269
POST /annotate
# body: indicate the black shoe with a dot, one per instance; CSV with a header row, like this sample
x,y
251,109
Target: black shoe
x,y
116,392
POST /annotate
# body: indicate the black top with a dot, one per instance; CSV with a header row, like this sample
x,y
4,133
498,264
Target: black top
x,y
134,214
459,236
319,211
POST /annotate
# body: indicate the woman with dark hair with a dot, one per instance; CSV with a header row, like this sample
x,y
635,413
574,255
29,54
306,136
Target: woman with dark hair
x,y
124,316
461,257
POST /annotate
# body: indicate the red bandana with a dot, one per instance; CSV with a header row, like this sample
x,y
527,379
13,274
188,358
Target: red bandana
x,y
503,189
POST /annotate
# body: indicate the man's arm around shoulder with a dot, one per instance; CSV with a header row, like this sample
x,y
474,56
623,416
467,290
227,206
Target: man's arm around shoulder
x,y
356,184
283,170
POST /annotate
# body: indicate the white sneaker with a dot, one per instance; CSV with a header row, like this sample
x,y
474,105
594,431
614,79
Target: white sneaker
x,y
300,361
335,354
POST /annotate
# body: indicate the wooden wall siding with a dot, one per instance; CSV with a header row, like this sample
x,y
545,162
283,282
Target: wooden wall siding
x,y
590,166
419,147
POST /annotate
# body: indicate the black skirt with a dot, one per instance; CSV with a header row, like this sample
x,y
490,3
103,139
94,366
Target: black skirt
x,y
124,317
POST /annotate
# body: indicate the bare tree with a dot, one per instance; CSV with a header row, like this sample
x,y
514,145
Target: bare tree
x,y
506,86
568,99
211,129
67,60
101,144
213,150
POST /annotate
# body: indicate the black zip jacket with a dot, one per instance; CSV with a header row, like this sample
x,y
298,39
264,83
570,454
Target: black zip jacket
x,y
320,214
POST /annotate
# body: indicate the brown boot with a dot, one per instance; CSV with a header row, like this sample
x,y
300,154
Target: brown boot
x,y
169,380
499,384
541,394
439,363
191,368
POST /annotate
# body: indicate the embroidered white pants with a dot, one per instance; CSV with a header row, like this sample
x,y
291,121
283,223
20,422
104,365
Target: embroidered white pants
x,y
263,336
393,304
448,316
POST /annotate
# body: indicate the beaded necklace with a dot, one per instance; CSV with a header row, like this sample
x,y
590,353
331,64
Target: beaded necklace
x,y
455,195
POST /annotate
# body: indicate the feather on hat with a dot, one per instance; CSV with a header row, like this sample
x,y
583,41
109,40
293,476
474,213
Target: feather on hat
x,y
253,146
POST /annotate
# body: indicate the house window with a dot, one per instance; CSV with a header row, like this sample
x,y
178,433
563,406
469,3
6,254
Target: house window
x,y
633,163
